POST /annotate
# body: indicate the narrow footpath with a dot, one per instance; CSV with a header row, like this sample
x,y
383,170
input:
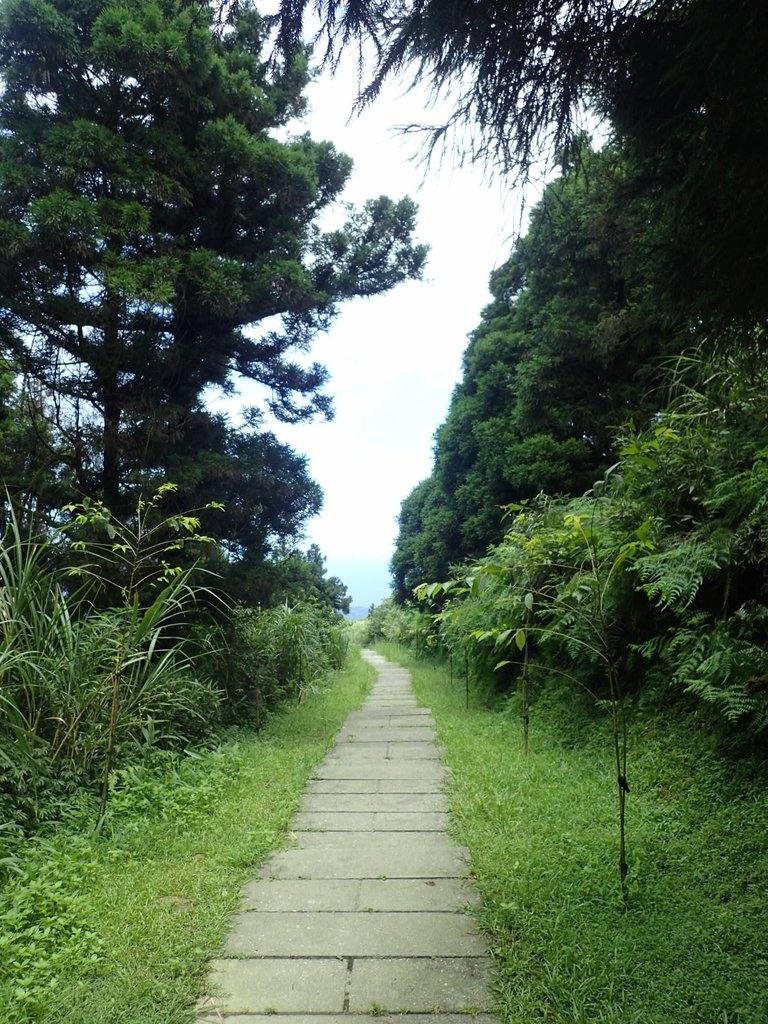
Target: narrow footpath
x,y
366,914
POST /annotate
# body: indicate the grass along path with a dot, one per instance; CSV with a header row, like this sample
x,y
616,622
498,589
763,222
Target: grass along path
x,y
118,929
693,946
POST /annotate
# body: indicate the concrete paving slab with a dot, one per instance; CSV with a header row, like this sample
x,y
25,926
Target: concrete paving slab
x,y
360,748
378,714
408,751
343,934
350,1018
437,985
411,751
280,986
304,894
422,770
392,682
408,894
404,821
343,786
392,750
393,688
367,786
377,737
370,895
415,803
379,861
430,843
392,709
361,821
433,785
388,724
412,719
391,698
377,752
333,821
385,734
419,711
349,756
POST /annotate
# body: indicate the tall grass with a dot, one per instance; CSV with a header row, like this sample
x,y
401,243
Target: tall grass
x,y
280,653
107,652
81,686
119,926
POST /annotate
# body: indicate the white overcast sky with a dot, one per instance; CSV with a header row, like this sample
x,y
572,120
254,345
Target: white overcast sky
x,y
394,359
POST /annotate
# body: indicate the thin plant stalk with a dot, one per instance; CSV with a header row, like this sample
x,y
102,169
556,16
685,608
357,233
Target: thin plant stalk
x,y
526,686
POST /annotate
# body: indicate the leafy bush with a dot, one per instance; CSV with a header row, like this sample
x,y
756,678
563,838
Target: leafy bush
x,y
653,581
277,654
657,574
45,930
397,624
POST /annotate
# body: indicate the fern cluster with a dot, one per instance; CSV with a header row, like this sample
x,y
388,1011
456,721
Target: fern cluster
x,y
658,572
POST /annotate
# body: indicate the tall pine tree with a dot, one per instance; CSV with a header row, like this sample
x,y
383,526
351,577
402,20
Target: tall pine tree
x,y
158,231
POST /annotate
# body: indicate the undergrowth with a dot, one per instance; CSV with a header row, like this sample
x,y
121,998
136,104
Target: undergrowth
x,y
691,946
117,928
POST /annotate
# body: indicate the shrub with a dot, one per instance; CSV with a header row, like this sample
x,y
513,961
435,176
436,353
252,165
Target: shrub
x,y
277,654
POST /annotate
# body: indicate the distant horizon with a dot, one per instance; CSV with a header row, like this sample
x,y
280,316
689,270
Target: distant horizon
x,y
394,359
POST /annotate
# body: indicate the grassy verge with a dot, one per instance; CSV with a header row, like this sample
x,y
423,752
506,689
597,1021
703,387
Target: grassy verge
x,y
692,945
118,929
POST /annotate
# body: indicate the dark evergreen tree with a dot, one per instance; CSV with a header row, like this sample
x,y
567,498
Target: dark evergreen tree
x,y
682,83
301,576
159,239
33,462
428,537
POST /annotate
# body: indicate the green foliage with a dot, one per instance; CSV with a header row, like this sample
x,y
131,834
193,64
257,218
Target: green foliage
x,y
564,350
654,575
31,462
660,562
539,829
290,575
703,474
391,622
278,654
86,682
46,929
264,486
561,565
121,925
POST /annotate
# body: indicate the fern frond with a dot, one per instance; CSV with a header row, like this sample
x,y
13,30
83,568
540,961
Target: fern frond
x,y
719,670
672,577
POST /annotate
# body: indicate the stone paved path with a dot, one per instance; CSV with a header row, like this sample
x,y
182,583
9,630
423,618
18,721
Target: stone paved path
x,y
367,913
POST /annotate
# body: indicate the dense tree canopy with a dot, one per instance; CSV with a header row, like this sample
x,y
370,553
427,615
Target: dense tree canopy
x,y
566,352
160,232
682,83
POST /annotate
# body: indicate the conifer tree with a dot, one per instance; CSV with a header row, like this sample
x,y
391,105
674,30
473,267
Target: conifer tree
x,y
158,227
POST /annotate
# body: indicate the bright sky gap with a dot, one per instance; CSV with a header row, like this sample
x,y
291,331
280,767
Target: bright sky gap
x,y
393,359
